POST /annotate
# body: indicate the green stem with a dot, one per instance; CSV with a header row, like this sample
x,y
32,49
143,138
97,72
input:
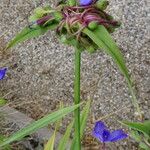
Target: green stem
x,y
77,97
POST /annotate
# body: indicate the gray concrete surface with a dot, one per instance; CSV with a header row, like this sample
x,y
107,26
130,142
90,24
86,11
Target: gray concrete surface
x,y
14,118
41,70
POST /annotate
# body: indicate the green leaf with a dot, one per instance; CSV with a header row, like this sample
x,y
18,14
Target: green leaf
x,y
144,146
39,124
28,33
83,120
147,123
2,138
138,126
51,141
84,117
2,102
135,135
65,138
103,39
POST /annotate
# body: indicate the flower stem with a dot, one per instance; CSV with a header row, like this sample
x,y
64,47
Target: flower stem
x,y
77,97
103,146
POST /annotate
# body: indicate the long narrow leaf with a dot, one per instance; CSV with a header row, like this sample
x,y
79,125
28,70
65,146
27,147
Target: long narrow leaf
x,y
102,38
39,124
65,138
6,147
51,142
138,126
83,120
28,33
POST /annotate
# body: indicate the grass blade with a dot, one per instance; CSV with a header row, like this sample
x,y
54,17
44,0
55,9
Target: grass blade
x,y
39,124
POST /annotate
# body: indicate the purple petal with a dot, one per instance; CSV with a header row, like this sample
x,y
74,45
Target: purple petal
x,y
2,73
117,135
85,2
105,136
99,126
100,131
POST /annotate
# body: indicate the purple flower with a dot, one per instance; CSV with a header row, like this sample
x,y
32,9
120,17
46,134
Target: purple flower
x,y
2,73
104,135
85,2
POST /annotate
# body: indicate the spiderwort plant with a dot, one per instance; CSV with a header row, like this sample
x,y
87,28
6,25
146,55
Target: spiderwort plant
x,y
85,25
104,135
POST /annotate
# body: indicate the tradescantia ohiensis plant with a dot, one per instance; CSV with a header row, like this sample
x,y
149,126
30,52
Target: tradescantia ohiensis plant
x,y
84,25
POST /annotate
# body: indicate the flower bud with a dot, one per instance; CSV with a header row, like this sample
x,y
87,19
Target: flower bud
x,y
90,49
71,2
58,16
102,4
92,25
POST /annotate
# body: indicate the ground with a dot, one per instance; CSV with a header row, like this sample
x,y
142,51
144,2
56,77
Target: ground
x,y
41,70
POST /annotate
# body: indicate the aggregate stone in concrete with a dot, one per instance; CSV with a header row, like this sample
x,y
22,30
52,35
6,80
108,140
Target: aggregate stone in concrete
x,y
41,70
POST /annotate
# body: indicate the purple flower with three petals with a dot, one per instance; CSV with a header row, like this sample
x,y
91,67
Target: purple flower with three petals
x,y
104,135
2,73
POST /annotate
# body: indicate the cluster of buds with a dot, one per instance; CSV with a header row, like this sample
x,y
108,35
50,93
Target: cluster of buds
x,y
72,18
